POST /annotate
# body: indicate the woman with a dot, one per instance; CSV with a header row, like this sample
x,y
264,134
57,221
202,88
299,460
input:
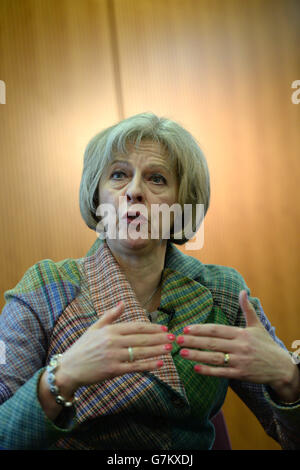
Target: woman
x,y
141,341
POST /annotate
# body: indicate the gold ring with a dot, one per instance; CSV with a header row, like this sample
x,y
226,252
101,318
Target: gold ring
x,y
130,352
226,359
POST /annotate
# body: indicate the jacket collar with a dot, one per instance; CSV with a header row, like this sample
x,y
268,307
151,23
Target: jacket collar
x,y
175,259
105,276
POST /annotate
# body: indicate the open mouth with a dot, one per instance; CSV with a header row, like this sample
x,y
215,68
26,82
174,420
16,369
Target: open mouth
x,y
135,218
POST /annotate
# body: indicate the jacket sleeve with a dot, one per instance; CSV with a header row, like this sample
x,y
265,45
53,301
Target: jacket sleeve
x,y
26,323
281,422
23,423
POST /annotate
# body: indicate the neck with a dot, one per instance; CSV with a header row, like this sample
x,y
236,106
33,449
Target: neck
x,y
142,268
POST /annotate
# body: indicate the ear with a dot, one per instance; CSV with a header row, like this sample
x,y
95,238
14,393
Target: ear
x,y
248,309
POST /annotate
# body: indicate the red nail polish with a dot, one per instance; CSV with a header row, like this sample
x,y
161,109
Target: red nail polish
x,y
180,340
197,368
160,363
168,347
186,329
171,337
184,353
164,328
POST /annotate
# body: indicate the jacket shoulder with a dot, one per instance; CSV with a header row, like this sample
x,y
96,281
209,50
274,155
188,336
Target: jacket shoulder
x,y
213,276
48,282
223,278
225,284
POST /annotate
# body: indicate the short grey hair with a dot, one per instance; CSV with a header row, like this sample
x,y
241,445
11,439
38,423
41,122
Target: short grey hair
x,y
182,148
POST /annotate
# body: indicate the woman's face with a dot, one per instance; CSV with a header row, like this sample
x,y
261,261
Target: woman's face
x,y
143,177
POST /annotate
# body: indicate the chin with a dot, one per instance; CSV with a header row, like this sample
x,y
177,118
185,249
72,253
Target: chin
x,y
135,244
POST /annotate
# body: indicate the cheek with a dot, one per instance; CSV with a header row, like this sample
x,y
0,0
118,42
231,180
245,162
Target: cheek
x,y
168,197
106,197
115,198
171,197
174,197
109,204
170,194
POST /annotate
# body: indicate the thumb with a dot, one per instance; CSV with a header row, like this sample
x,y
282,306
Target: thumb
x,y
109,316
248,310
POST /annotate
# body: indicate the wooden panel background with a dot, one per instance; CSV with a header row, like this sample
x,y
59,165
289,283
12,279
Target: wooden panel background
x,y
222,68
57,63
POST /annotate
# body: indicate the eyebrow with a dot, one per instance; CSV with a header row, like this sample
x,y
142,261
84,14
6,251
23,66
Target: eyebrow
x,y
150,167
124,162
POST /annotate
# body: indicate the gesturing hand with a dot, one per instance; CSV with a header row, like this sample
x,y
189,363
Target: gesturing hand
x,y
252,355
102,351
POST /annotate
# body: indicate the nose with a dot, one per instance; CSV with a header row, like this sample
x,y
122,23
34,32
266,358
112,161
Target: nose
x,y
134,190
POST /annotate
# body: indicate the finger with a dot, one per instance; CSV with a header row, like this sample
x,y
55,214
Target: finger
x,y
211,358
109,316
140,366
248,310
209,343
138,327
139,353
227,372
135,340
212,329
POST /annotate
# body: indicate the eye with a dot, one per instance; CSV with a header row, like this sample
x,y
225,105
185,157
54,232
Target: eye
x,y
158,179
116,175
